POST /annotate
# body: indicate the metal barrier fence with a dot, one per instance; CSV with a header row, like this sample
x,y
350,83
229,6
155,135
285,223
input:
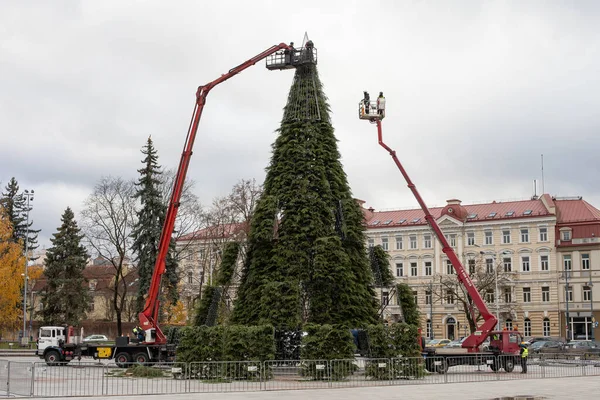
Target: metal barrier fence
x,y
99,379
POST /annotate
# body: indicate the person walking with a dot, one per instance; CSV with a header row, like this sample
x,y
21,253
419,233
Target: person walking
x,y
524,354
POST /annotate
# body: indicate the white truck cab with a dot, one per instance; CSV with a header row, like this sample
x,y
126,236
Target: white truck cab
x,y
49,336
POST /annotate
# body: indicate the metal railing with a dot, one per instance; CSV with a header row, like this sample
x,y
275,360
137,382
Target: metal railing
x,y
36,379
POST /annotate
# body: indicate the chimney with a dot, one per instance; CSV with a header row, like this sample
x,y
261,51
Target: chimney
x,y
453,202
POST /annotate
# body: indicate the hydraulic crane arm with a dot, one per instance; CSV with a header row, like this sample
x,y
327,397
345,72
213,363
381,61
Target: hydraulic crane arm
x,y
149,316
476,339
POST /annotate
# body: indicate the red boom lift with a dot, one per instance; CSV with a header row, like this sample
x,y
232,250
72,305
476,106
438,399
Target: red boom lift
x,y
504,345
278,57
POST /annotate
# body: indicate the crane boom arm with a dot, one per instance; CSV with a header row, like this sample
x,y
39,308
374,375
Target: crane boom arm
x,y
476,339
149,316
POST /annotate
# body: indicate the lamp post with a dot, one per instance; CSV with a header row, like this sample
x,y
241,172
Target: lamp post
x,y
431,309
29,196
591,286
567,324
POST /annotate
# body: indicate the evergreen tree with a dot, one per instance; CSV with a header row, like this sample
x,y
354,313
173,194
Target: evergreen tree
x,y
15,206
380,266
66,297
306,259
147,230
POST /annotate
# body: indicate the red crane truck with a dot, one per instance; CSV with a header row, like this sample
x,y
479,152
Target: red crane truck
x,y
59,345
503,349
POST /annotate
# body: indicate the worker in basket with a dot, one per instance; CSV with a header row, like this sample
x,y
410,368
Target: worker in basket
x,y
139,333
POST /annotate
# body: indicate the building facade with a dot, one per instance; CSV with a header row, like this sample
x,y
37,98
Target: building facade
x,y
528,250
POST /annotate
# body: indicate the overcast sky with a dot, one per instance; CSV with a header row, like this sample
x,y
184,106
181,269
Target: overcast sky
x,y
476,91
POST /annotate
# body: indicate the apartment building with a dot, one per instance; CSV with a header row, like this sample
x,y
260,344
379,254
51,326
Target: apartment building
x,y
542,254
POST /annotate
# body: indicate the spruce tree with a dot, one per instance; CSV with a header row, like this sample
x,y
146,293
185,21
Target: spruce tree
x,y
306,259
147,230
380,266
66,296
15,206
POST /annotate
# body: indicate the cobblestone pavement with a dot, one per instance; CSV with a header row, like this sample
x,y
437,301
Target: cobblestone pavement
x,y
563,388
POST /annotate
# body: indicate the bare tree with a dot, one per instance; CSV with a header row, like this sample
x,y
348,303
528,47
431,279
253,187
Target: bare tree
x,y
484,274
108,216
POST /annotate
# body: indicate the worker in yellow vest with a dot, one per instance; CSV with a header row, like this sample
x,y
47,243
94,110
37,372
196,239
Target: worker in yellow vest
x,y
524,354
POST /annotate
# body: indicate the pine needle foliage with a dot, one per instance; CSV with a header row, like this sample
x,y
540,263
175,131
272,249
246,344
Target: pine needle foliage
x,y
306,260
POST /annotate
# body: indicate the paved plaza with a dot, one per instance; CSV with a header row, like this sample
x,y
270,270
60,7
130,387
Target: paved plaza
x,y
562,388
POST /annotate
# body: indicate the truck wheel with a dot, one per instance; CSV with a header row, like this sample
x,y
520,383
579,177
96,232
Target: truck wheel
x,y
509,365
443,367
141,358
52,358
123,359
494,366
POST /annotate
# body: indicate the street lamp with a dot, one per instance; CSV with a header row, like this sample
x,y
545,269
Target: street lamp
x,y
431,336
591,286
29,196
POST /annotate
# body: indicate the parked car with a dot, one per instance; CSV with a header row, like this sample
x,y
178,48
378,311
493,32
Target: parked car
x,y
529,340
586,346
438,343
95,338
455,343
546,345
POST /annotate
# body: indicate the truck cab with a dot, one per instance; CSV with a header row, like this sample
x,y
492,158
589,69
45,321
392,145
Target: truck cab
x,y
50,336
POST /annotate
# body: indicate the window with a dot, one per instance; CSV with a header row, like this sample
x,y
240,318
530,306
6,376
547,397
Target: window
x,y
507,262
384,244
492,214
189,255
385,298
428,297
471,216
587,294
543,234
527,327
371,243
449,267
389,221
569,293
399,269
508,324
489,239
414,221
471,267
403,220
567,262
505,236
426,241
376,222
524,235
566,235
546,327
416,296
510,213
413,241
525,264
526,295
489,265
544,262
413,269
91,304
545,294
470,238
428,269
451,240
585,261
190,276
398,242
489,296
527,212
429,330
507,295
449,297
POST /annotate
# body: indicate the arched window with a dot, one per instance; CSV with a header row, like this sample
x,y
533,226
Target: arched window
x,y
546,327
527,327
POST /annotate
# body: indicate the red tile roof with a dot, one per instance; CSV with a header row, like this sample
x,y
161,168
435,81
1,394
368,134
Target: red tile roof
x,y
576,210
216,232
477,212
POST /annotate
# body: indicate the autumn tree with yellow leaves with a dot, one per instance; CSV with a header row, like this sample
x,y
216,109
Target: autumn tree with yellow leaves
x,y
12,265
